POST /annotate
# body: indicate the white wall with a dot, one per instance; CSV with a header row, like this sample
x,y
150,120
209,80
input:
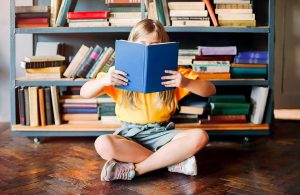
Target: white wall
x,y
24,47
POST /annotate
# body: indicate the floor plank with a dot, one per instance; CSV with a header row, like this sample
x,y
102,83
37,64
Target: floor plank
x,y
70,165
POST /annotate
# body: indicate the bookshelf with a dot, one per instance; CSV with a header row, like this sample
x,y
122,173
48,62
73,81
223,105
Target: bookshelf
x,y
260,37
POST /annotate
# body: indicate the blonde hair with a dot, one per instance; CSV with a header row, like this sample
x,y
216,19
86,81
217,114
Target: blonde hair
x,y
130,98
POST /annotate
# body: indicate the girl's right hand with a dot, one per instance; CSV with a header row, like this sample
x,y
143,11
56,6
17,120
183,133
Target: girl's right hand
x,y
115,77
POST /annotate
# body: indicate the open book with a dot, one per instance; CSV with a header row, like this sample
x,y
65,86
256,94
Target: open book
x,y
145,64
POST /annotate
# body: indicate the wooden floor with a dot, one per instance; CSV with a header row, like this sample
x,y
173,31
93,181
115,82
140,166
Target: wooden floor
x,y
70,165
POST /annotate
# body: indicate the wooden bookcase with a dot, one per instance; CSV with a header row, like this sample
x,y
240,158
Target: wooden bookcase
x,y
254,38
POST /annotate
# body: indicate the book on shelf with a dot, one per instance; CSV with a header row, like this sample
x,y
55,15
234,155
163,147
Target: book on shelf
x,y
160,12
258,97
234,65
214,76
227,98
251,60
88,24
49,48
21,104
145,64
55,5
253,54
48,107
214,57
65,7
211,12
42,109
89,62
233,6
88,15
32,21
32,16
237,23
232,1
221,50
220,108
203,23
31,9
166,12
55,104
27,111
34,106
50,58
186,5
79,110
80,117
221,119
101,62
78,105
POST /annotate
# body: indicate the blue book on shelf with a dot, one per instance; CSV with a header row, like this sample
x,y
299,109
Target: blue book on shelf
x,y
145,64
258,71
253,54
79,110
238,60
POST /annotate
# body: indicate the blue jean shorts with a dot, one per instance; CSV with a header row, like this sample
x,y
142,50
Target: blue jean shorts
x,y
152,136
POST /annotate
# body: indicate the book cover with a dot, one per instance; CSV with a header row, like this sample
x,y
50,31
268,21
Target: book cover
x,y
48,48
226,50
186,5
31,9
214,58
55,5
258,99
66,6
227,98
251,60
32,20
166,12
79,110
33,15
145,64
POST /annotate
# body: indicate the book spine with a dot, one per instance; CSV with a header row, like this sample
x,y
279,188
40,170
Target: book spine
x,y
88,64
88,15
232,111
42,106
76,68
31,9
253,54
27,108
102,62
32,20
55,105
62,14
109,63
32,15
21,99
160,12
215,58
211,12
227,98
259,71
79,110
48,105
34,106
230,50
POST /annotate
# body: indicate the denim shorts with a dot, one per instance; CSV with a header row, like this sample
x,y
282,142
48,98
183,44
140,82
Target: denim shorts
x,y
152,136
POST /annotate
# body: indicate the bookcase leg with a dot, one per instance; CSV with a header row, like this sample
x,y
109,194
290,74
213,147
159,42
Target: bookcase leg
x,y
36,140
246,140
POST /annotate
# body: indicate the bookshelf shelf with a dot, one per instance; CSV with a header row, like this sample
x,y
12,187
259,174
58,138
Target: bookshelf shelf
x,y
62,30
79,82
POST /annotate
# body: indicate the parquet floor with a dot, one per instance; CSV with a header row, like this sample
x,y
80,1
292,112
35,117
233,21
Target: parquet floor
x,y
70,165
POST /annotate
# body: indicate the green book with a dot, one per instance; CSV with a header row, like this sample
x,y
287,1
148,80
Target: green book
x,y
229,105
251,71
160,12
227,98
125,9
232,111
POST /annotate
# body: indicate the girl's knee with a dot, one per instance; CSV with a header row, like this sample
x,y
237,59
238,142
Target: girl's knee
x,y
200,138
104,146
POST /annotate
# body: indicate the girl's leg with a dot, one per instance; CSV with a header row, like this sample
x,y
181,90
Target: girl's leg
x,y
182,146
121,149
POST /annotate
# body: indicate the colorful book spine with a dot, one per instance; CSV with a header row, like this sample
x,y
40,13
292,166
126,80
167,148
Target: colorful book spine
x,y
227,50
215,58
88,15
211,13
79,110
253,54
90,61
48,107
160,12
251,61
21,99
42,106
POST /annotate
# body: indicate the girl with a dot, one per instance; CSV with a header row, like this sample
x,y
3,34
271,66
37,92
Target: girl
x,y
147,141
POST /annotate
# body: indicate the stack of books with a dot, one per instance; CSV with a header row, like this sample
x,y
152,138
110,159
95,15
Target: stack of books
x,y
227,109
107,112
235,13
88,19
76,109
32,16
124,12
89,61
38,106
191,109
188,14
186,56
44,67
252,64
214,62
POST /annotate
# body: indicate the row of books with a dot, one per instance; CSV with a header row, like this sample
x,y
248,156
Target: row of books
x,y
128,13
41,106
225,62
220,109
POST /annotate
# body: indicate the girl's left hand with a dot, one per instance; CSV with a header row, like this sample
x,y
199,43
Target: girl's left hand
x,y
175,79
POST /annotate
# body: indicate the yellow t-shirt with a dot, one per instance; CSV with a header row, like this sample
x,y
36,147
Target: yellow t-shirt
x,y
147,111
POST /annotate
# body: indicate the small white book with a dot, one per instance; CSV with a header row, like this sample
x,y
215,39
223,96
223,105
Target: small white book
x,y
258,99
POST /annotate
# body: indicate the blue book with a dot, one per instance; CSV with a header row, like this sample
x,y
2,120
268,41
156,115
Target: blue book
x,y
253,54
258,71
251,60
66,6
145,64
79,110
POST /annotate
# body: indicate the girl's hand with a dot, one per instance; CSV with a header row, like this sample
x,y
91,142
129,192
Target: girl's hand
x,y
115,77
176,79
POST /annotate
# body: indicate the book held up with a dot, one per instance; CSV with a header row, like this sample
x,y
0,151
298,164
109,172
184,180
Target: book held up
x,y
146,64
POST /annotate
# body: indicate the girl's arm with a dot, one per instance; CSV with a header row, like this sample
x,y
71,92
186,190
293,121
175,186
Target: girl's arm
x,y
200,87
94,87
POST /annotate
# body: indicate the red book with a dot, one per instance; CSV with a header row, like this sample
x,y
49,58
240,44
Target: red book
x,y
211,12
215,58
32,20
88,15
218,119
